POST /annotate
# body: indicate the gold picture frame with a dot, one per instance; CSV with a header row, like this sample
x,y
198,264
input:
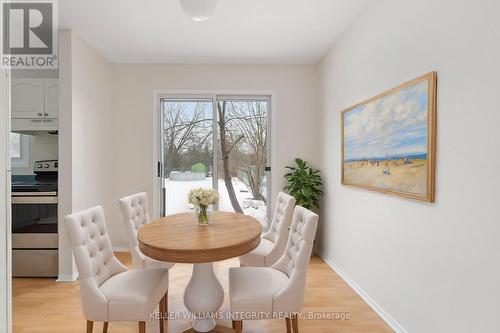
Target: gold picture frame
x,y
389,140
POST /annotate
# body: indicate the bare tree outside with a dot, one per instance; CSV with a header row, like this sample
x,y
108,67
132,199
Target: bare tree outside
x,y
241,145
227,143
247,122
187,135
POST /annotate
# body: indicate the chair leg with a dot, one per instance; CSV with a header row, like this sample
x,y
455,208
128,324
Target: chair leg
x,y
90,326
288,325
295,324
160,320
142,327
105,327
238,326
165,300
163,312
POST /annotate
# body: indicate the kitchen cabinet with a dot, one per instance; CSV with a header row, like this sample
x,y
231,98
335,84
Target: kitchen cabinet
x,y
35,99
27,98
51,98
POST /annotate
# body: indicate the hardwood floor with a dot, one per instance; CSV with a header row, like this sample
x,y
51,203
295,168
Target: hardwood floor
x,y
42,305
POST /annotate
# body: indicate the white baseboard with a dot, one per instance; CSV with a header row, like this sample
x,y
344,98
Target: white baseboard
x,y
367,298
67,278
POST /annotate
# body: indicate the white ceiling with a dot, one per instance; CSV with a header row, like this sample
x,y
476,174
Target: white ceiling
x,y
241,31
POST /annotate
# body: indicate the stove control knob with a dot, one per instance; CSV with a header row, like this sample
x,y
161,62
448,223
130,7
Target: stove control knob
x,y
46,165
39,165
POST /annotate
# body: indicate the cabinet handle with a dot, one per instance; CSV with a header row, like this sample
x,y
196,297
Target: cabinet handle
x,y
45,114
40,114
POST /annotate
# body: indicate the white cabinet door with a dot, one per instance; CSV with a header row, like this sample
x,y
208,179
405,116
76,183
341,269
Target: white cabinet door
x,y
51,99
27,98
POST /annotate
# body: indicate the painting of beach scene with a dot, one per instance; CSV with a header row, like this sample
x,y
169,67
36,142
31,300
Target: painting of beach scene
x,y
389,140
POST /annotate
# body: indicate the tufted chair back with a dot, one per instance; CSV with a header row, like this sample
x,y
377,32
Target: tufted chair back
x,y
135,214
278,230
295,260
94,259
282,217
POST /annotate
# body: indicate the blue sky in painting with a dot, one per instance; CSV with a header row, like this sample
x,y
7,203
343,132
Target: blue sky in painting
x,y
394,125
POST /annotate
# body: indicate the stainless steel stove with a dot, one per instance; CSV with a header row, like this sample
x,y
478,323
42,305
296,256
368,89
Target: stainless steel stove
x,y
34,223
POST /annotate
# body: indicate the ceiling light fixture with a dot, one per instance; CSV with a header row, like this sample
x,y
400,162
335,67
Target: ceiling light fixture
x,y
198,10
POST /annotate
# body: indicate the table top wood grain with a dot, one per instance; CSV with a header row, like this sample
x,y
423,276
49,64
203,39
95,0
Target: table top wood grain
x,y
178,238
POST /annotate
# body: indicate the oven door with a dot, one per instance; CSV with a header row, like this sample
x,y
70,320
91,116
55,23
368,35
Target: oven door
x,y
34,214
34,236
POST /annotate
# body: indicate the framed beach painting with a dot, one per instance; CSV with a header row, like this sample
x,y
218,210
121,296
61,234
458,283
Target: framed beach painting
x,y
389,141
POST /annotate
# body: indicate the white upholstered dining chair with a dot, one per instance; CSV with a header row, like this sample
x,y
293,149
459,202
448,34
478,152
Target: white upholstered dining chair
x,y
273,242
278,289
108,291
135,214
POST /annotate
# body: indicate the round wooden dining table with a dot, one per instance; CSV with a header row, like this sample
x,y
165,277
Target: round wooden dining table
x,y
178,238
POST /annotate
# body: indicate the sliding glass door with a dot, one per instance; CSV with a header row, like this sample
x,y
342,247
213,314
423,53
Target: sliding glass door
x,y
187,146
243,149
220,142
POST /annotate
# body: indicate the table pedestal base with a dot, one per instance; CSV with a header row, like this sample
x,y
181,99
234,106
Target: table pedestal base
x,y
217,329
203,296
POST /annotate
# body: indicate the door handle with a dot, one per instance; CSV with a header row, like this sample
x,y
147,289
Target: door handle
x,y
163,209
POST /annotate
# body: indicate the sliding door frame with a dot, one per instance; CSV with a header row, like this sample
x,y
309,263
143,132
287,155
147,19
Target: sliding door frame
x,y
215,96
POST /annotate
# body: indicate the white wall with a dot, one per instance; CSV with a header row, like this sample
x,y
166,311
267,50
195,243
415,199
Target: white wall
x,y
85,136
293,118
91,119
67,270
433,267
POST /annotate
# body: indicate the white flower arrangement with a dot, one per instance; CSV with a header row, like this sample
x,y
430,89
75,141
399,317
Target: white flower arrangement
x,y
203,197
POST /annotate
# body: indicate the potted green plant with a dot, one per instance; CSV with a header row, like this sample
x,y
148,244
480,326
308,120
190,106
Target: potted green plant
x,y
304,184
